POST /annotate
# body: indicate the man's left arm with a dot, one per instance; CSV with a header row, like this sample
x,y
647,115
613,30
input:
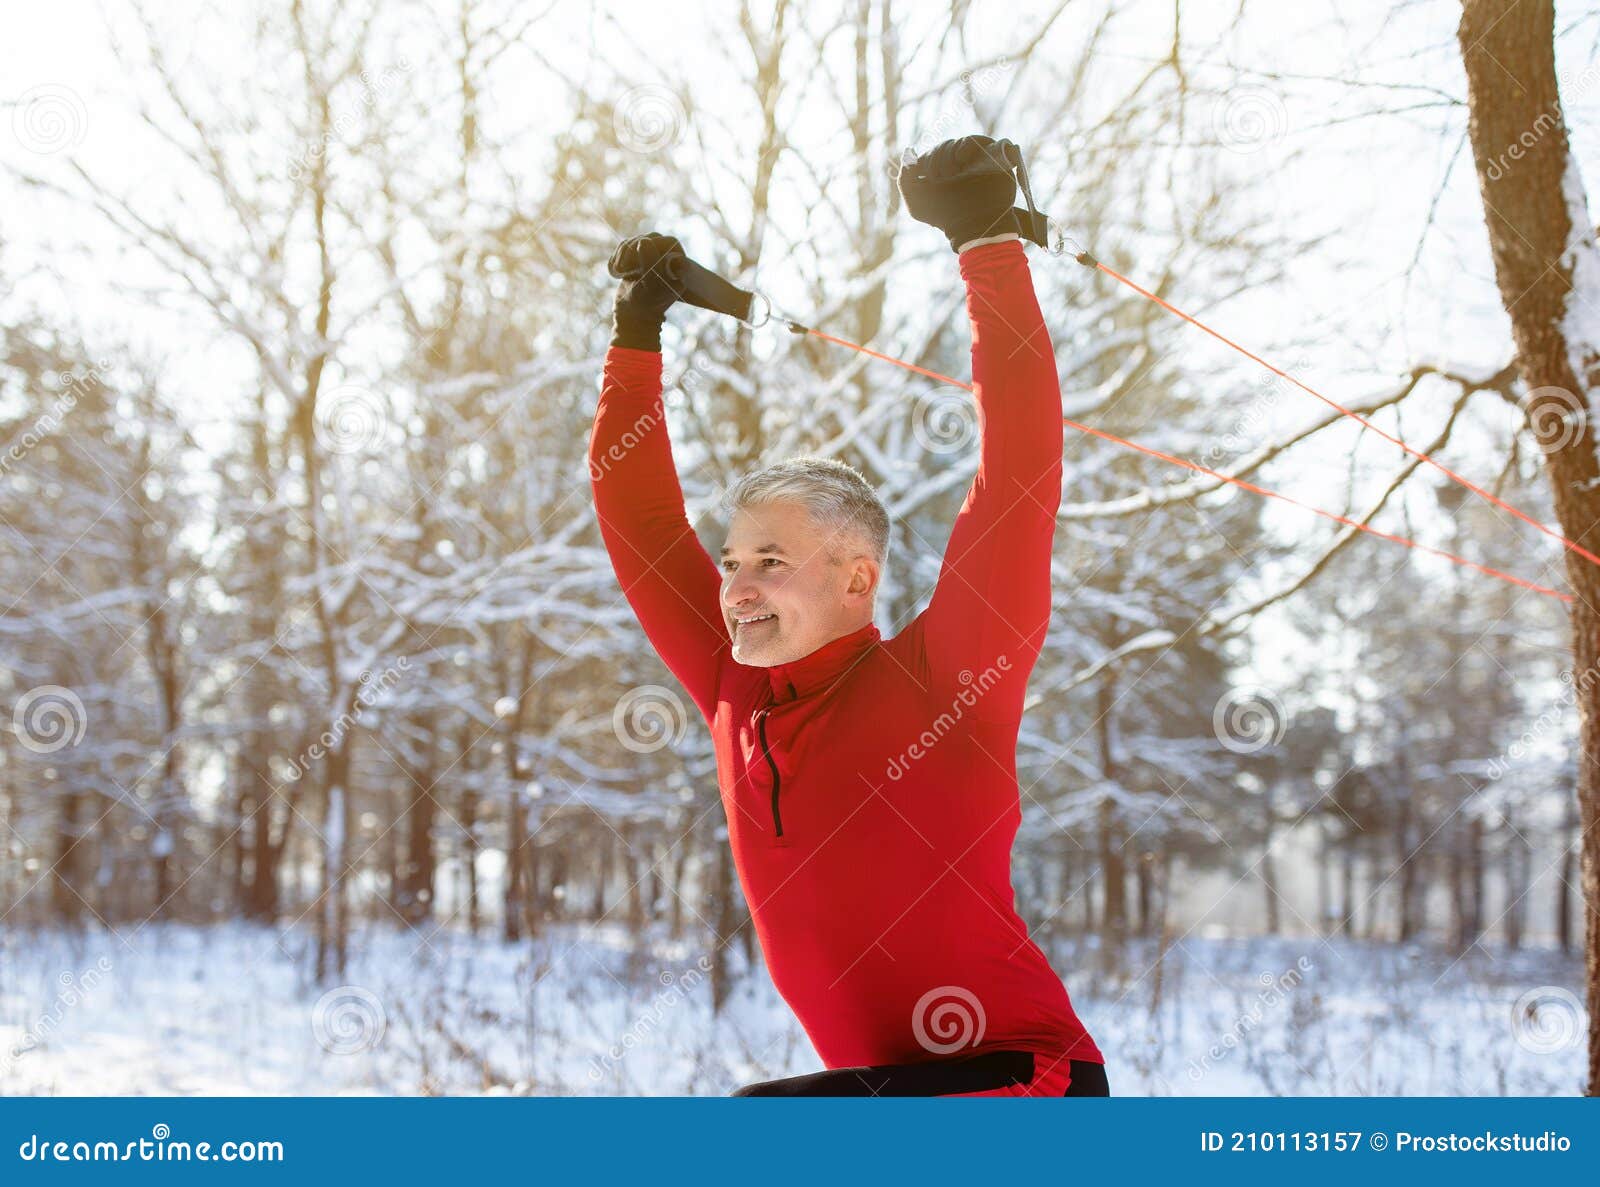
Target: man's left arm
x,y
987,621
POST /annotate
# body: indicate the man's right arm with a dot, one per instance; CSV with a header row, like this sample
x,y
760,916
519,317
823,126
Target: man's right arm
x,y
667,577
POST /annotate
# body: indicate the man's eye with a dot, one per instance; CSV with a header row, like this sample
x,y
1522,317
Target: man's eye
x,y
772,561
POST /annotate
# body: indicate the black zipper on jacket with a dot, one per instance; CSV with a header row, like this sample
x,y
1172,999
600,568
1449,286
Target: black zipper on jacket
x,y
761,727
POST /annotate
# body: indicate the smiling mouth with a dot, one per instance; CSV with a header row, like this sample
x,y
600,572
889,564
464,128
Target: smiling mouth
x,y
759,620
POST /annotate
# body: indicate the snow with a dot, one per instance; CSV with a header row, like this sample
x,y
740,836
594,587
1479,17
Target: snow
x,y
180,1009
1581,324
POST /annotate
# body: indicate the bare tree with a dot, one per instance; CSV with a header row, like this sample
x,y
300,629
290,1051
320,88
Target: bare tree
x,y
1547,266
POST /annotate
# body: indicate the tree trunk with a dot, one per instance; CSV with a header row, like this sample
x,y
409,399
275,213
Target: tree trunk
x,y
469,856
1460,910
64,896
1347,889
680,875
1113,876
1267,865
1542,239
1476,882
1518,861
1404,831
1569,854
1144,889
1325,854
726,924
333,915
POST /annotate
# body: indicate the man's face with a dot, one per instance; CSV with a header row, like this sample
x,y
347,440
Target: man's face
x,y
776,568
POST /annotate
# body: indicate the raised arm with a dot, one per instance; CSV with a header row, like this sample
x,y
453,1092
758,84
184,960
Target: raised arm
x,y
986,624
667,577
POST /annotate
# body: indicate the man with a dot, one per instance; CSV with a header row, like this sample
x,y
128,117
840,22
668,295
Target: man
x,y
869,784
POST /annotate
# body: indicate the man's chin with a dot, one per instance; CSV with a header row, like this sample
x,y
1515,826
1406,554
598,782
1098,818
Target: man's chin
x,y
766,653
756,657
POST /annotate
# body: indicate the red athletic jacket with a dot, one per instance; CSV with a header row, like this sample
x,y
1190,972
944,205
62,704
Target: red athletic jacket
x,y
870,787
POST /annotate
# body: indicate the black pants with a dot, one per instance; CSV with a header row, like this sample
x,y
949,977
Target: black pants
x,y
940,1077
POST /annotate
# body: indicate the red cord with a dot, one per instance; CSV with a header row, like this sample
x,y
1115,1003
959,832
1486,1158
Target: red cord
x,y
1239,482
1495,499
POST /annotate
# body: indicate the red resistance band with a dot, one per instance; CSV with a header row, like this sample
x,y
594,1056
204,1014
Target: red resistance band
x,y
1250,486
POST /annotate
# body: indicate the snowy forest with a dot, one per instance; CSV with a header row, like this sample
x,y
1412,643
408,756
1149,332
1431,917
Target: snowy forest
x,y
334,759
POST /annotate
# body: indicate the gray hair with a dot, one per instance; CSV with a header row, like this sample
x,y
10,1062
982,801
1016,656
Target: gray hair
x,y
837,496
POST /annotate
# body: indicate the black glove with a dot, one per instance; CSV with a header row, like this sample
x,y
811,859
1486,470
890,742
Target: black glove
x,y
647,267
964,187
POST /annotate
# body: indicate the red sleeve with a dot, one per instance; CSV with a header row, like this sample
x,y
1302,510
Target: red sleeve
x,y
986,624
670,581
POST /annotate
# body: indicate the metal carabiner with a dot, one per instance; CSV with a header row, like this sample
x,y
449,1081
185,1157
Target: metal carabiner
x,y
1063,244
766,312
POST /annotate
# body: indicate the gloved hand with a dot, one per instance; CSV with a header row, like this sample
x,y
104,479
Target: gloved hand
x,y
646,265
964,187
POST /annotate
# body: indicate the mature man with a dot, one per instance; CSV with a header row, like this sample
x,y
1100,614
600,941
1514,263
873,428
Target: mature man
x,y
869,784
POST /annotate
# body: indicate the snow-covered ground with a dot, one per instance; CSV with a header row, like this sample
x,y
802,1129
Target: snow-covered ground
x,y
180,1009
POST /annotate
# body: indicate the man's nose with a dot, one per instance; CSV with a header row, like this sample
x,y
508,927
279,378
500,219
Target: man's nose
x,y
738,591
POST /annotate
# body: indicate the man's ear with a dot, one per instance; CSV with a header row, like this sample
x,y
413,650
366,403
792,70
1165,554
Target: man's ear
x,y
864,574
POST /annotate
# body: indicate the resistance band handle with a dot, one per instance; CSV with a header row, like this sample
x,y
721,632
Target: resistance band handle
x,y
703,287
1030,224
